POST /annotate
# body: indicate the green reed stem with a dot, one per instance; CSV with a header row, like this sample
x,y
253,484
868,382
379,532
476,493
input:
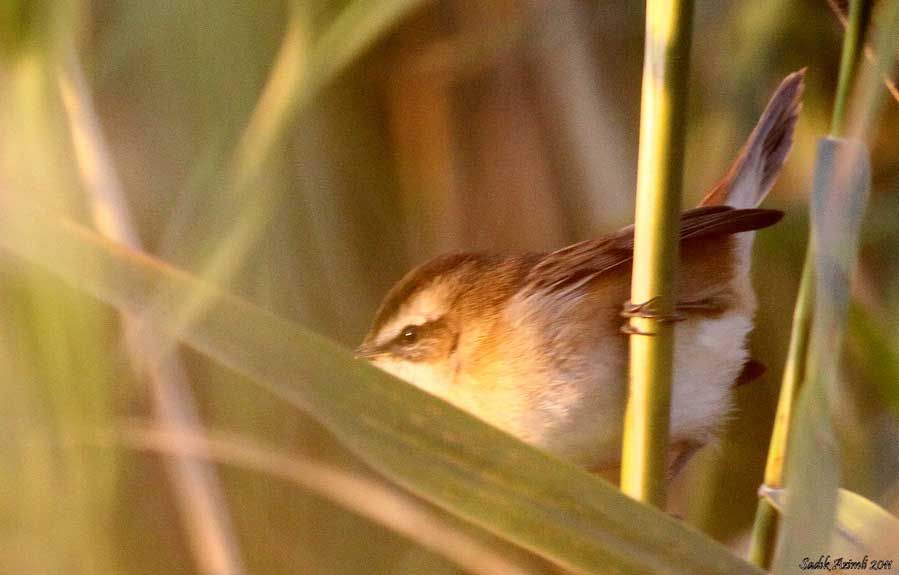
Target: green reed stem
x,y
852,49
762,545
659,181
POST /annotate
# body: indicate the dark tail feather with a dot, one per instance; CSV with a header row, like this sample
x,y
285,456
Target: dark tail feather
x,y
758,164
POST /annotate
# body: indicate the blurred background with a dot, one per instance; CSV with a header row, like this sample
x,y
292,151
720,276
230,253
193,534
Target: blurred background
x,y
364,138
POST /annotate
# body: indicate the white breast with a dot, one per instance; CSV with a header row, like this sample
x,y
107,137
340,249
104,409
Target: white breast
x,y
709,354
581,418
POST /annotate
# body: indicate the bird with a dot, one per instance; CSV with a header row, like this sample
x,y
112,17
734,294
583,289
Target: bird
x,y
533,343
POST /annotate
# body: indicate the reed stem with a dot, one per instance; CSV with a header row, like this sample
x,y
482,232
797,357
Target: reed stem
x,y
659,181
852,49
762,544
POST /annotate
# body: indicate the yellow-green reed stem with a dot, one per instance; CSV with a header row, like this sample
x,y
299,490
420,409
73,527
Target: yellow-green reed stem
x,y
761,548
659,180
852,48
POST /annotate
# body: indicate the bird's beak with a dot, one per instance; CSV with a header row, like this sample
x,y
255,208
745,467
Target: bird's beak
x,y
366,351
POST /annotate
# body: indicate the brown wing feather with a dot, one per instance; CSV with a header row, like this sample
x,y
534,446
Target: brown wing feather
x,y
581,263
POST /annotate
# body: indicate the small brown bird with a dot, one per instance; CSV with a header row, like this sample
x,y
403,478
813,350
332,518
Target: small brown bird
x,y
533,344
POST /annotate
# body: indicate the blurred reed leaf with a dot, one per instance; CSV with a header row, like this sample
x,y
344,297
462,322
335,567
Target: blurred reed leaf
x,y
55,378
468,547
19,21
441,453
354,31
861,526
306,63
839,196
304,66
204,511
877,354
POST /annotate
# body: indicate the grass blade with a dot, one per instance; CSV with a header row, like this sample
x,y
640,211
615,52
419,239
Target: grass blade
x,y
762,545
204,511
877,354
361,494
839,198
861,526
441,453
302,69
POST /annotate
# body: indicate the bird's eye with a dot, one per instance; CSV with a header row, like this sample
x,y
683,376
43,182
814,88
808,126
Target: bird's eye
x,y
409,335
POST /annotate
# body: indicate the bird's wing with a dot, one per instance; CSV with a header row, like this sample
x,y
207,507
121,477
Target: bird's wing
x,y
575,266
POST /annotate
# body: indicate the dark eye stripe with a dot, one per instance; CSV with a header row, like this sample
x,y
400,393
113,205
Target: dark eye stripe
x,y
412,334
409,335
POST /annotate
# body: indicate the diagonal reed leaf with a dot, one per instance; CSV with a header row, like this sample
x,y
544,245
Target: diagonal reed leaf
x,y
860,527
441,453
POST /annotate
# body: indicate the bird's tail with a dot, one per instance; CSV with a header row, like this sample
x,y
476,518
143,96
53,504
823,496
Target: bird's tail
x,y
758,164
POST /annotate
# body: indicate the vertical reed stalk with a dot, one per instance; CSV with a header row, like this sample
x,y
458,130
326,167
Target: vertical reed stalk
x,y
852,47
762,545
659,180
